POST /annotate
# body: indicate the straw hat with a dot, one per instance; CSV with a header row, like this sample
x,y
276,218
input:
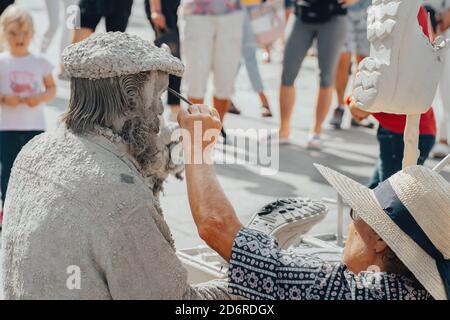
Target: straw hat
x,y
115,54
425,196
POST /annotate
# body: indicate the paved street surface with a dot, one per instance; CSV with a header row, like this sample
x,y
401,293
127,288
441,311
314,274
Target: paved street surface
x,y
351,151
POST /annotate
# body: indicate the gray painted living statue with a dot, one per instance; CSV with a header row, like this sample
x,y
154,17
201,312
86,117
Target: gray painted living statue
x,y
83,200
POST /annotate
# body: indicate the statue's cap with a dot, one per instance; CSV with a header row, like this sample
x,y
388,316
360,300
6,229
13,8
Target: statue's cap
x,y
114,54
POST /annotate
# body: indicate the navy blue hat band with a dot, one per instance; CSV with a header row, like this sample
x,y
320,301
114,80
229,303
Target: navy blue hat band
x,y
400,215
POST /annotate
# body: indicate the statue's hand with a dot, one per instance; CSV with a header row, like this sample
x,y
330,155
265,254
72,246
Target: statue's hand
x,y
170,137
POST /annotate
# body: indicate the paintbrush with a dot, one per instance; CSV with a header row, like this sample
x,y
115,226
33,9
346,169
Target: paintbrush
x,y
179,96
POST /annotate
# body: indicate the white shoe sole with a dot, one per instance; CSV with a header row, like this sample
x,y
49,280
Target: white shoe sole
x,y
288,219
402,73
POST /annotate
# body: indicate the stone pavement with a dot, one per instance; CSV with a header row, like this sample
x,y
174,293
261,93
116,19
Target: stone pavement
x,y
352,151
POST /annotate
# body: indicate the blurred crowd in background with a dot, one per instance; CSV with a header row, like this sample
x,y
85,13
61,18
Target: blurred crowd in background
x,y
218,37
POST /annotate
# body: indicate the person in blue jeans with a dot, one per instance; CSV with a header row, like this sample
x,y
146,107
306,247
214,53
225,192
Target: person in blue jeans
x,y
249,47
390,132
391,144
391,154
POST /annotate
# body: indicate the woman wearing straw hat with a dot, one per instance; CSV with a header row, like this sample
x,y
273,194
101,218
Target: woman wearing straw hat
x,y
398,246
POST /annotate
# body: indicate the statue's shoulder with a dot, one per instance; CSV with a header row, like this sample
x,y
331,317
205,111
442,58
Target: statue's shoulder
x,y
61,155
77,168
52,149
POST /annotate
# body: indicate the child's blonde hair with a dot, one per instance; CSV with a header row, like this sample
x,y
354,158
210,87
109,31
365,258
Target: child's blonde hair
x,y
15,14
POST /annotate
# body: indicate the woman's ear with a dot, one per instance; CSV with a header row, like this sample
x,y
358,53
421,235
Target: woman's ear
x,y
380,245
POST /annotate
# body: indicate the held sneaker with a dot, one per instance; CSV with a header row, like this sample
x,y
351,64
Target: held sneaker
x,y
336,120
403,70
288,219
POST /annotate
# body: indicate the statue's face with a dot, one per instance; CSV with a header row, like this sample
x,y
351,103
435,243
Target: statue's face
x,y
154,88
148,112
142,128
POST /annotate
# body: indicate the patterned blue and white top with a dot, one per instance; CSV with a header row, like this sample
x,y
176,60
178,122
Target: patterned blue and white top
x,y
259,269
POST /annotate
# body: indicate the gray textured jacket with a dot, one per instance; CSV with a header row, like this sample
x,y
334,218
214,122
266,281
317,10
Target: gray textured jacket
x,y
78,206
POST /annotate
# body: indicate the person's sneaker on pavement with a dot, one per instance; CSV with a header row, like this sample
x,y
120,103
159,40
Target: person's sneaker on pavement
x,y
338,114
441,150
314,142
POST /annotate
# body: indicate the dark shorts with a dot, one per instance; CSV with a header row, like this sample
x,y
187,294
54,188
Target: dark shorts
x,y
330,38
115,12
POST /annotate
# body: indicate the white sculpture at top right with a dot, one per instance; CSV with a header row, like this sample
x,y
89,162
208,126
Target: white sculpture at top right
x,y
402,73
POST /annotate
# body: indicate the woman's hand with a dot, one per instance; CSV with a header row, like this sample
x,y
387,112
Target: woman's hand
x,y
358,113
12,101
200,128
444,21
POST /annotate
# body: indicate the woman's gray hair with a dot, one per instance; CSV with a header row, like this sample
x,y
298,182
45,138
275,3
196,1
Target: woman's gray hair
x,y
101,102
393,264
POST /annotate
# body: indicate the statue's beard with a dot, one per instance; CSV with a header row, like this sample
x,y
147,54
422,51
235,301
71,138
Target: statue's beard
x,y
140,131
150,149
141,137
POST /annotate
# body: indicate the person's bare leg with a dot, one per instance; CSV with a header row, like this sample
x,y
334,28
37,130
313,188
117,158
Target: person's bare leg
x,y
342,76
81,34
341,82
265,104
323,106
263,99
287,100
221,106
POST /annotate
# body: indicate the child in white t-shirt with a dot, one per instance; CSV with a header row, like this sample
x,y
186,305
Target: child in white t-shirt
x,y
26,84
